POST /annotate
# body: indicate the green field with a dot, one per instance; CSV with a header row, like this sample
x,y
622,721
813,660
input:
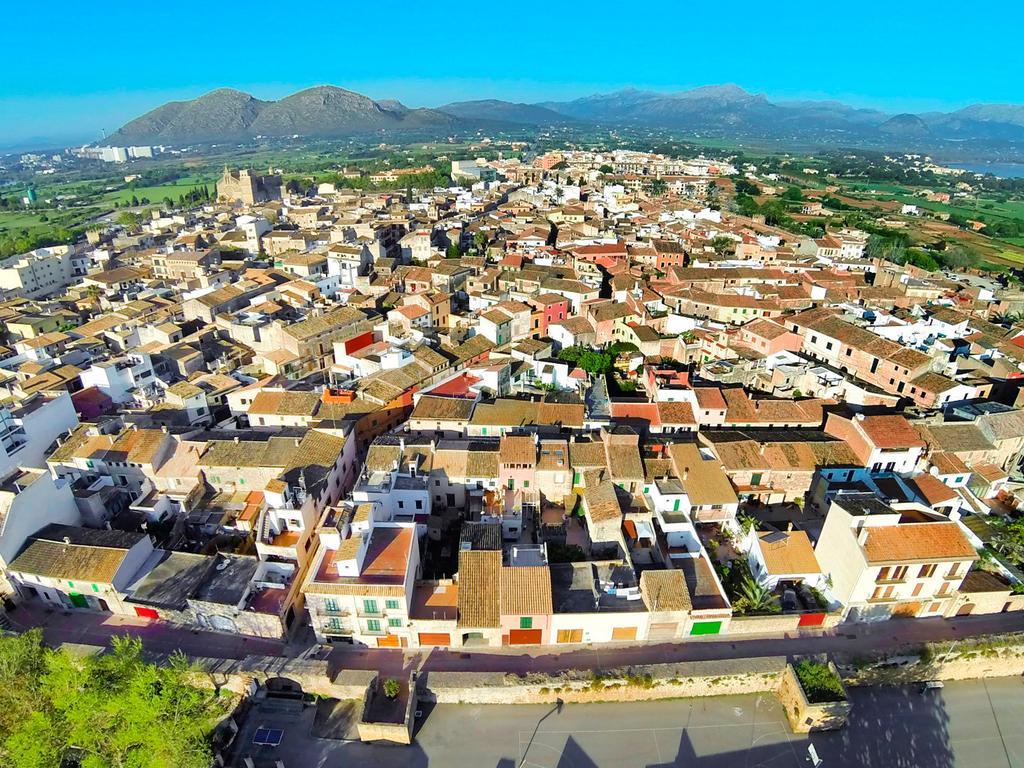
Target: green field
x,y
28,222
157,194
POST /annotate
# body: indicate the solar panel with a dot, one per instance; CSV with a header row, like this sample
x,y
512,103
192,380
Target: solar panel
x,y
268,737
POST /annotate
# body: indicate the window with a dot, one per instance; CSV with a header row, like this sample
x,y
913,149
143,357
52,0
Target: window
x,y
334,623
526,622
526,483
373,625
394,622
392,605
927,571
370,606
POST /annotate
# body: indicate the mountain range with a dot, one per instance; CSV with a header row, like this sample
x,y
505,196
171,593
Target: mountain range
x,y
329,111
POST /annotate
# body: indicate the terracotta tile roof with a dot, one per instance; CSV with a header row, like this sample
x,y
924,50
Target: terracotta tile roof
x,y
517,449
600,498
665,590
443,408
479,588
676,413
704,480
787,553
91,555
710,398
526,591
932,490
892,432
284,403
917,542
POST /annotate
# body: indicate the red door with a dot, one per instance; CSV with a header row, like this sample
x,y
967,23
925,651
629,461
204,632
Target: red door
x,y
146,613
524,636
811,619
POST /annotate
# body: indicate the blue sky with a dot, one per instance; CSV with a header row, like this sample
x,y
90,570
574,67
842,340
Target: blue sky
x,y
72,69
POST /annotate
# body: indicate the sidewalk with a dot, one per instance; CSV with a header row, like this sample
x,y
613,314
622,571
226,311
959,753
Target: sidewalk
x,y
157,637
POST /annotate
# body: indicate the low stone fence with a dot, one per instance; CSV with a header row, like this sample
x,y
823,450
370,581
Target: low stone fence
x,y
994,656
637,683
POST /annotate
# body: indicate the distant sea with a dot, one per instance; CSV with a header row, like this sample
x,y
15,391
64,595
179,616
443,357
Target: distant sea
x,y
1006,170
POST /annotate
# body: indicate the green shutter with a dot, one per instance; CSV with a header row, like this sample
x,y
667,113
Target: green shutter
x,y
575,478
78,600
675,506
526,622
373,625
394,622
392,605
706,628
370,606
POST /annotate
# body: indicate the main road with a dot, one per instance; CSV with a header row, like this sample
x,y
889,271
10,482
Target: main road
x,y
974,724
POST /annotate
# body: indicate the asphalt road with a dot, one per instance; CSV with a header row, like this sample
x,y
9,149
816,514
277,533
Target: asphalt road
x,y
974,724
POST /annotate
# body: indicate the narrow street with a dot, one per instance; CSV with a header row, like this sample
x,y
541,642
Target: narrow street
x,y
851,639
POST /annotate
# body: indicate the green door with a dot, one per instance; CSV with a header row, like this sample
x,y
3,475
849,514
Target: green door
x,y
706,628
78,600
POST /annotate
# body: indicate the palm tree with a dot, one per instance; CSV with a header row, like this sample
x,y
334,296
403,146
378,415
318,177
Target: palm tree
x,y
747,522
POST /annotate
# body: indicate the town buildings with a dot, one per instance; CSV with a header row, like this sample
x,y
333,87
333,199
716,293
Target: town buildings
x,y
544,405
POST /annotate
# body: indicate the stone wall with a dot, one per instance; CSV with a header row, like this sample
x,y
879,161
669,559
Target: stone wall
x,y
378,730
969,660
804,716
777,624
639,683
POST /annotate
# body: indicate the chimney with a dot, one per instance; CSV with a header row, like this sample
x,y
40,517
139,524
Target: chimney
x,y
862,537
297,442
164,429
235,438
789,527
686,472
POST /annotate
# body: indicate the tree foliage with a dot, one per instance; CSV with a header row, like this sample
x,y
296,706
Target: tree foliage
x,y
819,682
113,710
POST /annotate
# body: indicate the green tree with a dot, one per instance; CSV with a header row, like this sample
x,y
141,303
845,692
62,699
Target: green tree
x,y
129,220
723,245
959,257
606,169
1008,539
113,710
793,194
